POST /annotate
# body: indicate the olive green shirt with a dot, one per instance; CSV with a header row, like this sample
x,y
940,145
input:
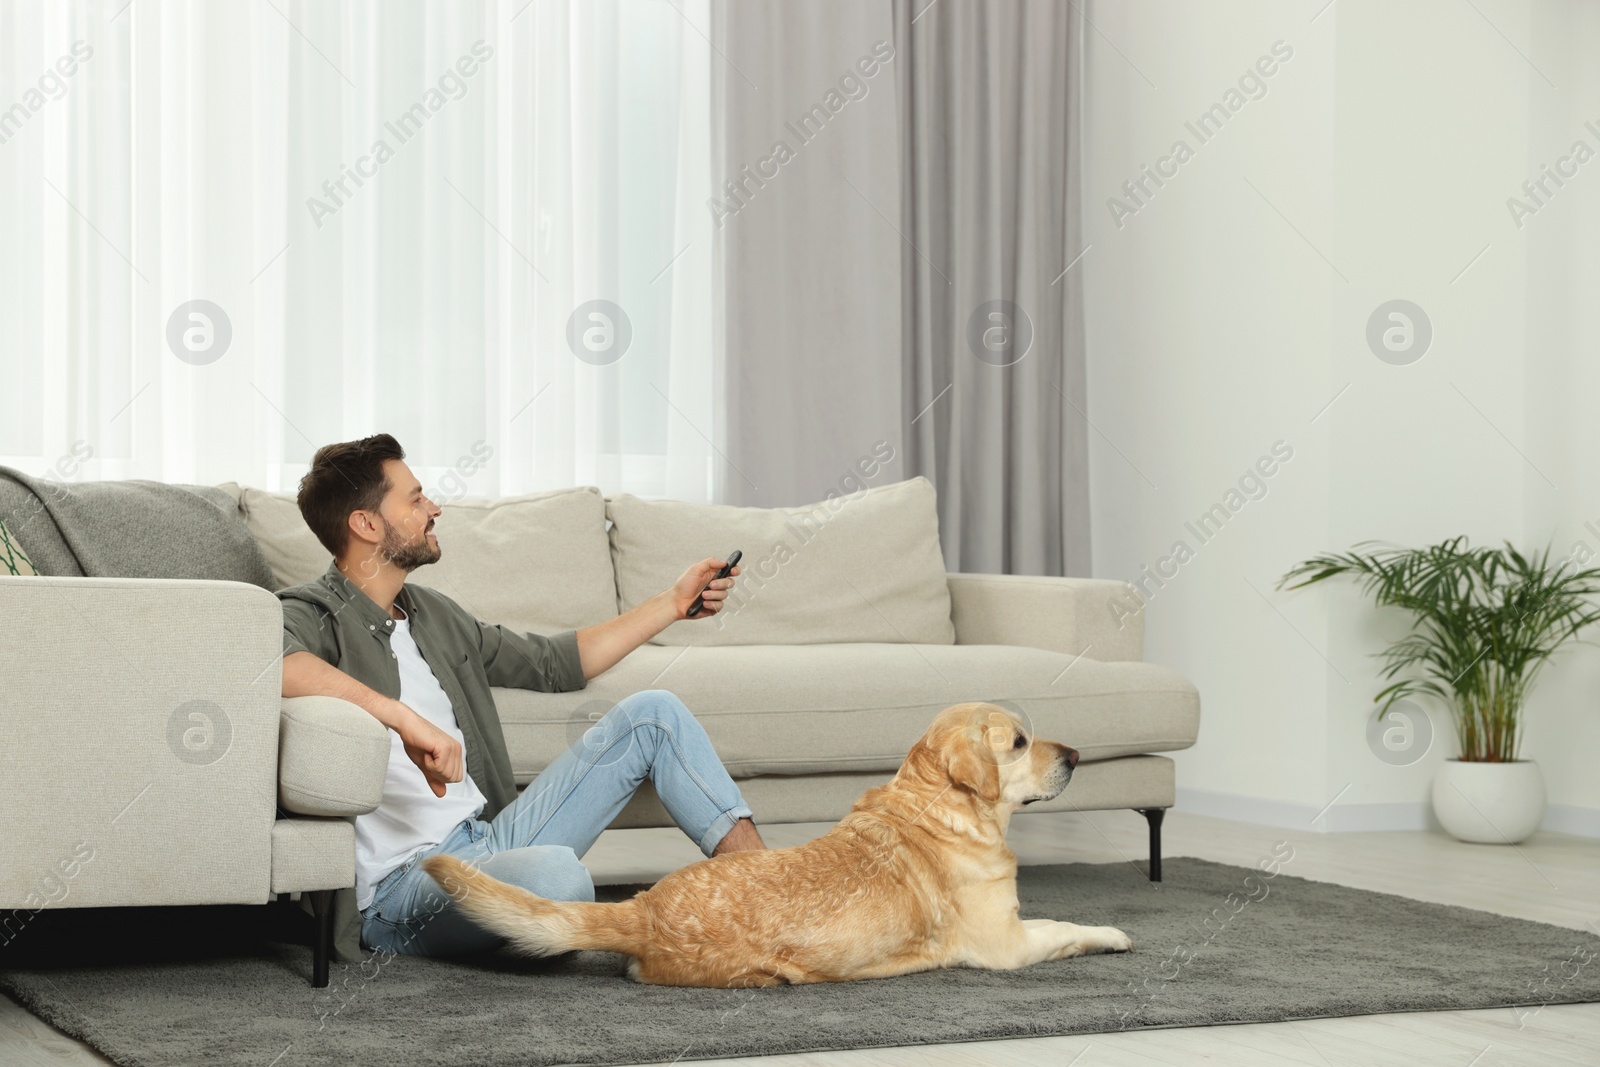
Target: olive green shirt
x,y
338,623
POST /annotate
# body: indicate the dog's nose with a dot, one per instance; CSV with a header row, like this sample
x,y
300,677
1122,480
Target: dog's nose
x,y
1072,757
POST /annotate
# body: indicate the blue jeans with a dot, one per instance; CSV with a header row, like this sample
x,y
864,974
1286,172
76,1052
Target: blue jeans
x,y
536,840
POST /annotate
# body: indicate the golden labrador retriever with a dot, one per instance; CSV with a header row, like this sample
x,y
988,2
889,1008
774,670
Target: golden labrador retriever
x,y
917,876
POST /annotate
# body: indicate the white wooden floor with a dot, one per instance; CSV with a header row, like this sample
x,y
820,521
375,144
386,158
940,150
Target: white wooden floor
x,y
1552,878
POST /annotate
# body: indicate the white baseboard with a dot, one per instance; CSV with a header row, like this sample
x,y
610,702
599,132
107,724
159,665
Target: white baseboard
x,y
1241,808
1568,819
1349,818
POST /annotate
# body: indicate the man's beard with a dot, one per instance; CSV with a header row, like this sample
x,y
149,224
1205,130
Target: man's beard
x,y
408,557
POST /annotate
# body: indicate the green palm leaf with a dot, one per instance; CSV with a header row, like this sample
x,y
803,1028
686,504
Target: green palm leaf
x,y
1486,621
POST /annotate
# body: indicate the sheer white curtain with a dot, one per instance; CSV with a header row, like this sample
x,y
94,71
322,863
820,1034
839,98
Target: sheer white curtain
x,y
394,208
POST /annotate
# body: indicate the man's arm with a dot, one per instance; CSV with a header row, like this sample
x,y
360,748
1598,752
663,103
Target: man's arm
x,y
435,752
602,646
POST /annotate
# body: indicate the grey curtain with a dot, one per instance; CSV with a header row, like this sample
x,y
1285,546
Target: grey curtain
x,y
809,326
991,330
901,279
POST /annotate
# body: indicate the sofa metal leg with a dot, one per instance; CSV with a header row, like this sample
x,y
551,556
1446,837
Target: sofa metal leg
x,y
1154,816
322,908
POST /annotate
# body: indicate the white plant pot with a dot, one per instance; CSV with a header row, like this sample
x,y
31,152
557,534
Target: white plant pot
x,y
1489,803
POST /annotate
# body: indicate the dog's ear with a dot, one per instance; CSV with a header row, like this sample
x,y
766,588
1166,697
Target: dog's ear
x,y
923,764
971,767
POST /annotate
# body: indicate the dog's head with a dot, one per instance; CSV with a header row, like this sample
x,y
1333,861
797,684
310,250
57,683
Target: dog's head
x,y
987,750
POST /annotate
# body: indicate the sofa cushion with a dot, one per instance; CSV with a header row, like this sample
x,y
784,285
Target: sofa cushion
x,y
864,567
538,562
859,707
13,560
292,550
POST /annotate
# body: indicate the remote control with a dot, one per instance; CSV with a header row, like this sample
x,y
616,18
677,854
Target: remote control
x,y
700,601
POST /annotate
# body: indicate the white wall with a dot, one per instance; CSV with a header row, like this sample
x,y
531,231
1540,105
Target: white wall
x,y
1562,375
1230,308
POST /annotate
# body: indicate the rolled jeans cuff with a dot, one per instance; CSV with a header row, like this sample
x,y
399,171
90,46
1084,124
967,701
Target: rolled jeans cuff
x,y
721,825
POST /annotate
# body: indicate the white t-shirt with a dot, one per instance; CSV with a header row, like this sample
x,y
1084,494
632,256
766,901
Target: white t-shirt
x,y
410,817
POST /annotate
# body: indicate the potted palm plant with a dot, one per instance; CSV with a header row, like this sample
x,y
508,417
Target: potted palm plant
x,y
1485,623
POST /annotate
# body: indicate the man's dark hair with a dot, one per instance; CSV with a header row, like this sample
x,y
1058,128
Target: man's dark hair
x,y
345,477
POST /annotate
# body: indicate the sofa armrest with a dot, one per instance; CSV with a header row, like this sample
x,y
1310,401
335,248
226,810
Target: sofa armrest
x,y
332,757
139,722
1077,616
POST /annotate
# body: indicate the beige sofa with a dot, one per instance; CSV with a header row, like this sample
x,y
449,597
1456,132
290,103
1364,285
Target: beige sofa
x,y
845,639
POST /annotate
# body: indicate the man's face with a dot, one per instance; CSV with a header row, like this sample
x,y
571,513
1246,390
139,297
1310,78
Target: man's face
x,y
408,541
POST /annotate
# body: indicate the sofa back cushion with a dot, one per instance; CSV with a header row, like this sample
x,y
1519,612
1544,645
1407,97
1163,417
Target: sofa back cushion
x,y
862,567
538,562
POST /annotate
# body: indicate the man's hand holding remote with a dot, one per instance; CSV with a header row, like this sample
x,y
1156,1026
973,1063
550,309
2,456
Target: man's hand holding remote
x,y
711,587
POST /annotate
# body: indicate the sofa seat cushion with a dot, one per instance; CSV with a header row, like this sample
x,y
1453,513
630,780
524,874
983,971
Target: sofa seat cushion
x,y
811,709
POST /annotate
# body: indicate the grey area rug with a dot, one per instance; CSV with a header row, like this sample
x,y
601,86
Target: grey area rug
x,y
1213,944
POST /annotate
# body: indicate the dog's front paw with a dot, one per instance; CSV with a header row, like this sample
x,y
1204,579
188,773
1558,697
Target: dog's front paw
x,y
1113,940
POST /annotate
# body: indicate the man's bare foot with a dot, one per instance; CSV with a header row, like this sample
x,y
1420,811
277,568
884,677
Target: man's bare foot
x,y
741,838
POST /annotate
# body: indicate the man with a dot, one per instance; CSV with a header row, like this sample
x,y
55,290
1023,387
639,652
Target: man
x,y
422,666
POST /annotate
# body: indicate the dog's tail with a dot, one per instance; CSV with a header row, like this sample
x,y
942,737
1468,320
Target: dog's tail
x,y
533,924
